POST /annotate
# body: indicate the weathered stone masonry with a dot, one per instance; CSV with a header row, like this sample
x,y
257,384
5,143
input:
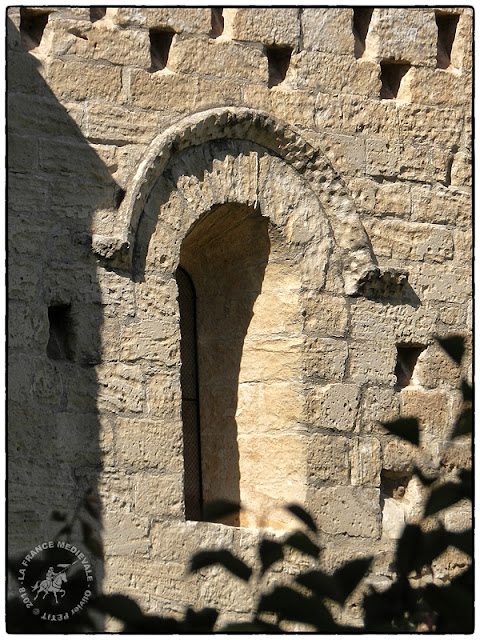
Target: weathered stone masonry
x,y
310,170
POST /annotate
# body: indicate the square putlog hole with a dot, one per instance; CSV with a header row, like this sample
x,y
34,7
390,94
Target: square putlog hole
x,y
278,63
160,43
447,28
97,13
32,26
407,356
61,335
391,77
218,22
360,24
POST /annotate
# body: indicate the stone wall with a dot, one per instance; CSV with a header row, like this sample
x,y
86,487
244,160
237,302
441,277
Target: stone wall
x,y
311,170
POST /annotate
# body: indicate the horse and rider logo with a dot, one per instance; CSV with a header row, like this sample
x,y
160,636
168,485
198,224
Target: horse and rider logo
x,y
52,582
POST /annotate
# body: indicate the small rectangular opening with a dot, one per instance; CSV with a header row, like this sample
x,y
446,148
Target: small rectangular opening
x,y
32,26
218,22
391,76
447,27
278,63
160,43
60,341
360,24
97,13
407,356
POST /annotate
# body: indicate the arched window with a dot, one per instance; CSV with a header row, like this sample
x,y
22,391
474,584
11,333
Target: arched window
x,y
190,400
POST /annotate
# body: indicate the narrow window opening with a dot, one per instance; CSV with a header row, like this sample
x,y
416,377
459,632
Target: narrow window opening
x,y
407,356
217,22
60,342
278,63
391,78
32,26
447,27
97,13
190,396
360,24
160,43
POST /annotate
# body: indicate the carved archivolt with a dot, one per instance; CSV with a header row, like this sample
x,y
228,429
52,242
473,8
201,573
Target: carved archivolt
x,y
281,140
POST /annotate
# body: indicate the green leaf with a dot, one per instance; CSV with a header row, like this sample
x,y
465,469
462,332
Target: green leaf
x,y
300,541
300,513
443,497
270,552
218,509
464,423
406,428
231,563
454,346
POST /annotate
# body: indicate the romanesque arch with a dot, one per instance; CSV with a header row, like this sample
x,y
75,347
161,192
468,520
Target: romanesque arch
x,y
279,139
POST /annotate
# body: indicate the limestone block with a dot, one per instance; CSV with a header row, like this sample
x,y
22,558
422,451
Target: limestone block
x,y
335,406
442,205
428,124
410,241
432,410
398,455
153,340
71,199
372,362
296,107
272,472
26,74
27,194
435,369
402,34
331,74
43,114
325,315
346,153
378,404
393,199
26,325
124,535
163,395
458,518
82,434
461,170
271,359
22,154
269,407
158,495
398,160
328,458
454,285
365,461
120,387
327,30
463,241
140,444
357,114
223,58
117,125
119,46
354,511
268,26
71,157
76,80
188,20
163,88
210,92
439,87
325,358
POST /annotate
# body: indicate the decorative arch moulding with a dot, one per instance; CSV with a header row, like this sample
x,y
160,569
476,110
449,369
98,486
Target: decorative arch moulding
x,y
278,138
